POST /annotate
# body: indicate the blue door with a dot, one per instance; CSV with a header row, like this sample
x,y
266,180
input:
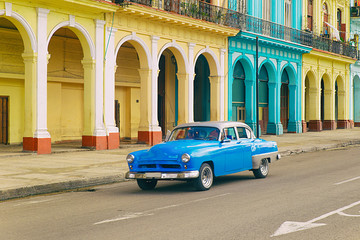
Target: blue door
x,y
233,151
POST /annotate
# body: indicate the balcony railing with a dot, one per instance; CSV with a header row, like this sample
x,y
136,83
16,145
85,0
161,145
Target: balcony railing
x,y
226,17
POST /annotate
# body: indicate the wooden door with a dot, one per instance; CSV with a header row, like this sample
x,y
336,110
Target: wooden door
x,y
4,119
284,106
265,119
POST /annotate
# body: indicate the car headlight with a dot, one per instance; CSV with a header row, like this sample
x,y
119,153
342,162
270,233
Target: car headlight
x,y
185,157
130,158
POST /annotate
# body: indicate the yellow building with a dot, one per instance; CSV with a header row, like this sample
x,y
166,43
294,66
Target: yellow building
x,y
96,71
326,69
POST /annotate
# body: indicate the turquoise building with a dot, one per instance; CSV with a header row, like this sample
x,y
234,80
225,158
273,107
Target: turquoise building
x,y
277,24
354,113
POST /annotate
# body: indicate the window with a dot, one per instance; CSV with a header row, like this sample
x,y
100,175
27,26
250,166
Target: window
x,y
288,13
240,114
326,20
310,15
241,6
243,132
230,133
266,10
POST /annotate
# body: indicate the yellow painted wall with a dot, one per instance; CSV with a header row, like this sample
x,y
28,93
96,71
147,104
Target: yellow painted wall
x,y
65,87
14,89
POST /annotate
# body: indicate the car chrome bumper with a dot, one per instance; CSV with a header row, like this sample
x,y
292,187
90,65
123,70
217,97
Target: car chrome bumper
x,y
161,175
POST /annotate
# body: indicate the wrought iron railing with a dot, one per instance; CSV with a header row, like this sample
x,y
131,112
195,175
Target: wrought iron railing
x,y
226,17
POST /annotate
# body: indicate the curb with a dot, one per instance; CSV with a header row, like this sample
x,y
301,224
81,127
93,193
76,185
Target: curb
x,y
323,147
59,187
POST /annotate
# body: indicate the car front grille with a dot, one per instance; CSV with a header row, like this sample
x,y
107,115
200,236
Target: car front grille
x,y
154,166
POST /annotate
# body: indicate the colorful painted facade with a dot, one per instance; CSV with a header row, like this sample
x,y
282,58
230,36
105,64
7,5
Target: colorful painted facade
x,y
277,25
326,69
354,81
97,71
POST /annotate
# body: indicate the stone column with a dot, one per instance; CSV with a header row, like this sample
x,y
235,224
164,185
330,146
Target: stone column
x,y
215,98
191,78
41,136
250,103
315,123
329,113
29,142
112,131
274,125
150,132
183,101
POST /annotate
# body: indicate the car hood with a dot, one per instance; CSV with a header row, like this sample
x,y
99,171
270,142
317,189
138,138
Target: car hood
x,y
174,149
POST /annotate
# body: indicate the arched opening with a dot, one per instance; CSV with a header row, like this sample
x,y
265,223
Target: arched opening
x,y
263,99
341,115
167,92
284,100
307,103
336,102
202,90
356,101
12,84
238,94
127,92
65,86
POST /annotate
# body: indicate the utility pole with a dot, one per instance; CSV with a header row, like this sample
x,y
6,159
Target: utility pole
x,y
257,86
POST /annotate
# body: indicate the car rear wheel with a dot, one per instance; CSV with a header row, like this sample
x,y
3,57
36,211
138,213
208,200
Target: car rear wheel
x,y
205,179
146,184
263,170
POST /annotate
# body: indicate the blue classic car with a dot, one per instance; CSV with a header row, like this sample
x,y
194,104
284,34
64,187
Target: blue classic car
x,y
200,151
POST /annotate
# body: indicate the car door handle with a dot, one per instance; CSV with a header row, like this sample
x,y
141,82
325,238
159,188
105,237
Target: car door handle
x,y
238,142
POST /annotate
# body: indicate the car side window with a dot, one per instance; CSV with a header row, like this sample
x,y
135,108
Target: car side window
x,y
242,132
230,133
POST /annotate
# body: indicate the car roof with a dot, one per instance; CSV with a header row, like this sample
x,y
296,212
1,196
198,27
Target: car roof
x,y
217,124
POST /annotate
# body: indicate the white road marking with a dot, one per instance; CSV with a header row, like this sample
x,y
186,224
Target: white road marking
x,y
289,227
33,202
349,180
151,211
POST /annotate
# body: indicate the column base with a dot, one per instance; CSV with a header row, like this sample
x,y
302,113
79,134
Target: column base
x,y
329,125
113,141
304,126
97,142
315,125
295,127
351,123
343,124
150,138
39,145
275,128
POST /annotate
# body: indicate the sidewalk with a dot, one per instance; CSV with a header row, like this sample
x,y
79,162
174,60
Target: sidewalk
x,y
70,166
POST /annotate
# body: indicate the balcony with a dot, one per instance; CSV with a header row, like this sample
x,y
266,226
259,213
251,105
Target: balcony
x,y
243,22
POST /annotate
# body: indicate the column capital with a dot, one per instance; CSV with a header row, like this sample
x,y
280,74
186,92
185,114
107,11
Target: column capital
x,y
29,57
42,12
154,38
99,23
88,63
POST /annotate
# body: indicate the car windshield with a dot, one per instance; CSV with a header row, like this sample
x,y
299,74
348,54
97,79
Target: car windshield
x,y
195,133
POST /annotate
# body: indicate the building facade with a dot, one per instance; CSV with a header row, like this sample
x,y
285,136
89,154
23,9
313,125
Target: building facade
x,y
354,81
277,25
326,69
96,71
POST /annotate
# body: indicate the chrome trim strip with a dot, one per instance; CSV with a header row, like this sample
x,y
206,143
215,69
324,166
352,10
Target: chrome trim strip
x,y
162,175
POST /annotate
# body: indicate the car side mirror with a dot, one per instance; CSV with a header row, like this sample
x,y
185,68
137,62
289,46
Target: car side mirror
x,y
168,133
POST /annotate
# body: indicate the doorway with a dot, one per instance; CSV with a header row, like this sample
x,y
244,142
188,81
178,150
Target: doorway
x,y
4,119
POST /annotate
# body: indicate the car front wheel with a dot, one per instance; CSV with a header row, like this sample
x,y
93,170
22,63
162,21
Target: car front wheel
x,y
205,179
263,170
146,184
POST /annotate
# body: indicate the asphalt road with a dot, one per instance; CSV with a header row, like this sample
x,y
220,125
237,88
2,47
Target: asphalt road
x,y
307,196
